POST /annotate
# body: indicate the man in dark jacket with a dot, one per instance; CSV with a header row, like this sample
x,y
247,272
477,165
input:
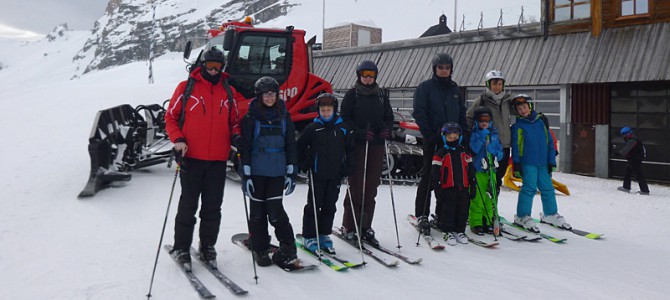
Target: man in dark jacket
x,y
201,128
367,112
633,151
436,101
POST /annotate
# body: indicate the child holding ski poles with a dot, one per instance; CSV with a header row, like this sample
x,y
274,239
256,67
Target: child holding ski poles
x,y
325,149
487,149
451,181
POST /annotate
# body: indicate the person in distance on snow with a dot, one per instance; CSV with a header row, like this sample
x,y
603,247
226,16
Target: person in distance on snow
x,y
436,101
268,161
451,175
203,138
534,159
325,148
484,143
634,153
367,112
496,98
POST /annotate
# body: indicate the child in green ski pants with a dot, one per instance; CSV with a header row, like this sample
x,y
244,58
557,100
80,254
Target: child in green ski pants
x,y
487,149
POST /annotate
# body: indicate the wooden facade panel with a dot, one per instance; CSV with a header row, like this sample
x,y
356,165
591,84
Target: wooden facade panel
x,y
590,104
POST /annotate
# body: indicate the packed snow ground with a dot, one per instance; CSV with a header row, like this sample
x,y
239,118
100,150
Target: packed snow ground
x,y
55,246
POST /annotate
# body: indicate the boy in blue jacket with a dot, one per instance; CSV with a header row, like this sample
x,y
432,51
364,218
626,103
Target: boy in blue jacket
x,y
534,159
486,147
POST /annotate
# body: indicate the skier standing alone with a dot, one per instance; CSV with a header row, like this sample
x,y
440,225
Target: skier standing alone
x,y
201,128
268,156
634,153
325,150
534,160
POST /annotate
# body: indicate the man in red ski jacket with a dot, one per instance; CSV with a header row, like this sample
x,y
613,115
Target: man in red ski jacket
x,y
203,140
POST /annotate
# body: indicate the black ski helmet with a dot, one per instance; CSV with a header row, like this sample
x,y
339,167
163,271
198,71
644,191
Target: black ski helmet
x,y
327,99
442,59
483,112
366,65
265,84
521,99
213,54
450,127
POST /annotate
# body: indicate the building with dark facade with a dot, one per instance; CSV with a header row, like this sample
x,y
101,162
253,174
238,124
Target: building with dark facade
x,y
592,67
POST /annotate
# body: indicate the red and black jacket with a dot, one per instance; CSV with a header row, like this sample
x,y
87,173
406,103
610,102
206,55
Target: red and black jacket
x,y
451,168
209,123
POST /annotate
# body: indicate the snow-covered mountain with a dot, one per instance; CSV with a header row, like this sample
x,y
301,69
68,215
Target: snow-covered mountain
x,y
124,33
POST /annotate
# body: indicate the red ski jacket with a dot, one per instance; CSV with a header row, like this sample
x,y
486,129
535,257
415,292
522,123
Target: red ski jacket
x,y
209,124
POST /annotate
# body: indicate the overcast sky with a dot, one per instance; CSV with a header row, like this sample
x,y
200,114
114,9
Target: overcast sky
x,y
41,16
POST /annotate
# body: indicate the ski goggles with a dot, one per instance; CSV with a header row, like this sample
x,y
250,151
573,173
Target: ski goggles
x,y
213,65
484,118
451,128
368,73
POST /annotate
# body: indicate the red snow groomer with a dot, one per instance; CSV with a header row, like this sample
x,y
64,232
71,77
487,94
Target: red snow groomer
x,y
123,139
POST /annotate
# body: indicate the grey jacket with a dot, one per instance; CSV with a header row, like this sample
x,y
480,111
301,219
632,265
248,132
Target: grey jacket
x,y
501,115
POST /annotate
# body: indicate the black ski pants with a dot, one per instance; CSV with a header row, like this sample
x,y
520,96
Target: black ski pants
x,y
266,205
423,198
634,166
200,180
326,192
455,207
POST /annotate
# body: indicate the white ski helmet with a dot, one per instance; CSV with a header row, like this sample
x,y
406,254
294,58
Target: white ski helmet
x,y
494,74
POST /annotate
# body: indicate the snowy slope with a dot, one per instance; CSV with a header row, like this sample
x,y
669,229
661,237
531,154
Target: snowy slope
x,y
55,246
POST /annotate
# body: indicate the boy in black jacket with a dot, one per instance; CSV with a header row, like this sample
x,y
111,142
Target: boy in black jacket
x,y
324,148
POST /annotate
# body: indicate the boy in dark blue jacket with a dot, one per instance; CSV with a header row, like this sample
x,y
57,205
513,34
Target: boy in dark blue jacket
x,y
324,148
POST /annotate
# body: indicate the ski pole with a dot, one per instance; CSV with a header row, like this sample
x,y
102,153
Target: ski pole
x,y
395,219
492,185
246,213
316,219
358,233
160,242
365,173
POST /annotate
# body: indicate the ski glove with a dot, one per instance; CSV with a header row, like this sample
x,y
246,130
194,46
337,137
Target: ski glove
x,y
369,135
518,173
491,148
289,185
484,132
247,184
385,133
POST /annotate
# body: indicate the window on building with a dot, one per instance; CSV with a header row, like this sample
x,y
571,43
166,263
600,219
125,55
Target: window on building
x,y
571,10
634,7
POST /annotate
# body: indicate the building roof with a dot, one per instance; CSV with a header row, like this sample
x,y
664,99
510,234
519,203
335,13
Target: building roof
x,y
624,54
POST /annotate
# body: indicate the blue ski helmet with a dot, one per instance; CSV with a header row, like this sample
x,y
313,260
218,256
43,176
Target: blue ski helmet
x,y
626,130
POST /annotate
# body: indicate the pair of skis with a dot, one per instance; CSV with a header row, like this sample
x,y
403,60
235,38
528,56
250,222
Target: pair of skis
x,y
379,258
430,240
325,257
212,268
473,240
242,240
